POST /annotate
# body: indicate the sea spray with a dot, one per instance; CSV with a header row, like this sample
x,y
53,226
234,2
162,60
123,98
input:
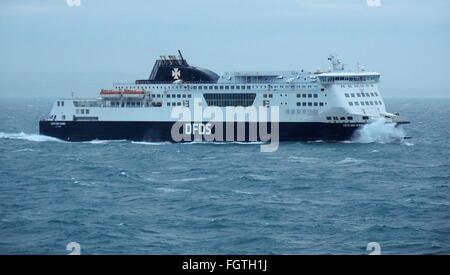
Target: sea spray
x,y
380,132
28,137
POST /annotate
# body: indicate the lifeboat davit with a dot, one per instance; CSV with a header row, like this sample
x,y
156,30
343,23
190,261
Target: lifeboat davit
x,y
133,94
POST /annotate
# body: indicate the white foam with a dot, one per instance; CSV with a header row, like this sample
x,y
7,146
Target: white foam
x,y
96,141
349,161
28,137
150,143
189,179
226,142
379,132
171,190
25,150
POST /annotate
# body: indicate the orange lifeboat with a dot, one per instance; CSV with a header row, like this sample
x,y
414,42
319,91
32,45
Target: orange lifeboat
x,y
133,94
110,94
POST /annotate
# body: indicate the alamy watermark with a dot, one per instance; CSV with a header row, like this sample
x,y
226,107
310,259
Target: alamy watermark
x,y
73,3
374,247
374,3
74,248
212,124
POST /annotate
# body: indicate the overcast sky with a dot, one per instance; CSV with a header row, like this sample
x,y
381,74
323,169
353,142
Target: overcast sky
x,y
48,48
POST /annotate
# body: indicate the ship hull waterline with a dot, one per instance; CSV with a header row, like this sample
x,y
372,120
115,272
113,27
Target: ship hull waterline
x,y
78,131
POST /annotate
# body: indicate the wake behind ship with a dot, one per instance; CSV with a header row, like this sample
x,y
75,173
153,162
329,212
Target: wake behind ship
x,y
319,105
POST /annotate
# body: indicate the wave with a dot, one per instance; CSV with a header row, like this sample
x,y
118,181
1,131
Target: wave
x,y
25,150
189,179
379,132
243,192
349,161
226,142
171,190
96,141
28,137
150,143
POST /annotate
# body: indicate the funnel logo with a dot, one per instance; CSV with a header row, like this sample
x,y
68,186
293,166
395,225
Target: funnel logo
x,y
374,3
176,74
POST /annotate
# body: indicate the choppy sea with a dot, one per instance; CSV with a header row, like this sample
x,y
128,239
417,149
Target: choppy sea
x,y
121,197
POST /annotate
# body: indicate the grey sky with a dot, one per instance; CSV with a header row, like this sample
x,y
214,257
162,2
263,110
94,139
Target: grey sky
x,y
48,48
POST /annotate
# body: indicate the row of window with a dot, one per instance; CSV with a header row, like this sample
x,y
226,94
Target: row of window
x,y
172,96
310,104
347,78
128,104
357,85
218,87
365,103
60,103
302,111
361,94
307,95
340,118
82,111
185,103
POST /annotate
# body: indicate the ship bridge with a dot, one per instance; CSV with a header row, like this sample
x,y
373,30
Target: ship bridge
x,y
350,77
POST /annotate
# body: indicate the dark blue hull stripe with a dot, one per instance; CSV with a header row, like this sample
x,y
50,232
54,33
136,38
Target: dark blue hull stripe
x,y
161,131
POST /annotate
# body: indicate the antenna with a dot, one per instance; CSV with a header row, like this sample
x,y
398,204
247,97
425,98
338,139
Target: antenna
x,y
181,57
